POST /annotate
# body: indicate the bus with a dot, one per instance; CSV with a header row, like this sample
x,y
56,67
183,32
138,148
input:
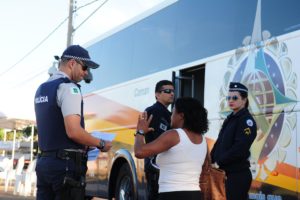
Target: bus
x,y
201,46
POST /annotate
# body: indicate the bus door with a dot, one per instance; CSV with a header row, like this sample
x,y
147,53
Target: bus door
x,y
189,82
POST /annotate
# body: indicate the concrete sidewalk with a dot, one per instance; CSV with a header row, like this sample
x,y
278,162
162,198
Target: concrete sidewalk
x,y
9,194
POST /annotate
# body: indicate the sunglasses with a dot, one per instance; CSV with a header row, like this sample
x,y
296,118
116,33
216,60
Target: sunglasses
x,y
234,98
168,91
83,67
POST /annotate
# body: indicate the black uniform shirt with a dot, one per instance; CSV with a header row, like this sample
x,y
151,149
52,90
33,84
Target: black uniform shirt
x,y
232,148
160,122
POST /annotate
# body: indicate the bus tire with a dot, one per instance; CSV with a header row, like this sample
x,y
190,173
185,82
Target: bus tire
x,y
124,184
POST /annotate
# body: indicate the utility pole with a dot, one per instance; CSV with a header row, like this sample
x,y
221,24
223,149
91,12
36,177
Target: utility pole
x,y
70,24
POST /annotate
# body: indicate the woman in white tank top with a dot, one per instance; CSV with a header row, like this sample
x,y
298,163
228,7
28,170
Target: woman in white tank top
x,y
181,151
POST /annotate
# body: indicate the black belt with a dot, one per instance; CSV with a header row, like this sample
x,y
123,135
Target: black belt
x,y
64,154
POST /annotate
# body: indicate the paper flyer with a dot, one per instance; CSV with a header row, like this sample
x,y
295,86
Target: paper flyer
x,y
93,153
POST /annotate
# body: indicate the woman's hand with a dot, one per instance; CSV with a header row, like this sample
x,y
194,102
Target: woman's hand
x,y
143,122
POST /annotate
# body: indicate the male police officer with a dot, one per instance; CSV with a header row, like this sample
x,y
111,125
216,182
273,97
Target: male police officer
x,y
164,94
61,165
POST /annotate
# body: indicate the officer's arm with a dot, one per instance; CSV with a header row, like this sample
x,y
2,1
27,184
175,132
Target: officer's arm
x,y
69,99
76,133
152,135
155,119
212,152
244,137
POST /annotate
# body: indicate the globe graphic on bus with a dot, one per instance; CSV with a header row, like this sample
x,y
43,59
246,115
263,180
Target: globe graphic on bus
x,y
266,92
261,89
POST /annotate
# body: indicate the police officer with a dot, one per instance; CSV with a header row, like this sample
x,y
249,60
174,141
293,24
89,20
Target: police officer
x,y
63,141
164,94
232,148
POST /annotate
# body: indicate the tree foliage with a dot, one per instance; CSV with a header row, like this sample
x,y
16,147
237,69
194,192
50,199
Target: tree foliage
x,y
26,132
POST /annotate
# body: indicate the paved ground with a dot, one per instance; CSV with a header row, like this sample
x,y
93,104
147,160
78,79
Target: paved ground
x,y
10,196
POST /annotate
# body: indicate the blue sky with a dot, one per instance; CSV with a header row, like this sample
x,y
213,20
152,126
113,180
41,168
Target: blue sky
x,y
24,24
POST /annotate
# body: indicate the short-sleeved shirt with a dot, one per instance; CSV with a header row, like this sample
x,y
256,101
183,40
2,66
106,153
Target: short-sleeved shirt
x,y
68,96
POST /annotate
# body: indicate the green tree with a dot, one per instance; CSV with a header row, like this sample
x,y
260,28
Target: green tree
x,y
1,134
10,135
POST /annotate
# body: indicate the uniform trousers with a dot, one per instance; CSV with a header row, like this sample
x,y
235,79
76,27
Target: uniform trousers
x,y
237,185
51,172
152,185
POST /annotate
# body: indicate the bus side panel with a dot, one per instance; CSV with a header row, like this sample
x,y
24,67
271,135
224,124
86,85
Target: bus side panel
x,y
298,153
271,72
115,111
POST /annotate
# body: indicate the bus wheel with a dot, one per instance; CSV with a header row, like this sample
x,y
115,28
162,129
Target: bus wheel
x,y
124,185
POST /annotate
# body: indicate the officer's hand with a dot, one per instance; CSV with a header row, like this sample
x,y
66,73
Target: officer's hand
x,y
107,146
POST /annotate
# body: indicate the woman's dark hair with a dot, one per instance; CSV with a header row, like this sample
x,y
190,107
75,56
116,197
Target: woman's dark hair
x,y
195,115
244,95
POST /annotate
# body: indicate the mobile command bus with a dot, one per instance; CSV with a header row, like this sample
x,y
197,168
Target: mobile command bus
x,y
201,46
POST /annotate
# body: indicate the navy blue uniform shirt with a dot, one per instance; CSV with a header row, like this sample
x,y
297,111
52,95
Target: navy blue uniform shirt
x,y
232,148
160,122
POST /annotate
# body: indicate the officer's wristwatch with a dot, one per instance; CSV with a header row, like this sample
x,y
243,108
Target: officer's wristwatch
x,y
140,132
101,144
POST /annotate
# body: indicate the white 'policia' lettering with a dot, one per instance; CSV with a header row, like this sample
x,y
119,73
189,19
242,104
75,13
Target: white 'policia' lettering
x,y
41,99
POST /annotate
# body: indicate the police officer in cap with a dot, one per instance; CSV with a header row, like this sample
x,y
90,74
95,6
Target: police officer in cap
x,y
63,141
232,148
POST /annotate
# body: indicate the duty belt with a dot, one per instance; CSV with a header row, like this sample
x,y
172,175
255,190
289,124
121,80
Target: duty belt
x,y
64,154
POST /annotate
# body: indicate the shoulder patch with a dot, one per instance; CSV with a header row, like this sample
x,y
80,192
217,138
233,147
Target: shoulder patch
x,y
74,90
247,131
249,122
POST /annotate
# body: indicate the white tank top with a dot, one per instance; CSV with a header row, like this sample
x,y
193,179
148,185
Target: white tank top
x,y
181,166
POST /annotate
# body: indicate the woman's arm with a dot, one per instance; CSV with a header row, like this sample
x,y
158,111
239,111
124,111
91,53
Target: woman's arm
x,y
164,142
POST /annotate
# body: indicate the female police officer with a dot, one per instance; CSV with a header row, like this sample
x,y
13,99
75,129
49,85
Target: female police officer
x,y
231,150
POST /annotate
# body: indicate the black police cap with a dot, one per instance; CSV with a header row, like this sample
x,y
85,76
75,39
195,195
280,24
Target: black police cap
x,y
235,86
78,53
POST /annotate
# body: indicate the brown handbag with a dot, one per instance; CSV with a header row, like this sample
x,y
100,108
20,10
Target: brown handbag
x,y
212,181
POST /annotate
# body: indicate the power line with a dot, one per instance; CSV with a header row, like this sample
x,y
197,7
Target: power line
x,y
29,79
86,5
51,33
34,48
91,14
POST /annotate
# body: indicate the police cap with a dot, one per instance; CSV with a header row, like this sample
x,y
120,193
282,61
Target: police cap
x,y
235,86
78,53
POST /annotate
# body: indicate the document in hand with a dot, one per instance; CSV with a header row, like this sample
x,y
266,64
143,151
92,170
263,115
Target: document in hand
x,y
103,135
94,152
